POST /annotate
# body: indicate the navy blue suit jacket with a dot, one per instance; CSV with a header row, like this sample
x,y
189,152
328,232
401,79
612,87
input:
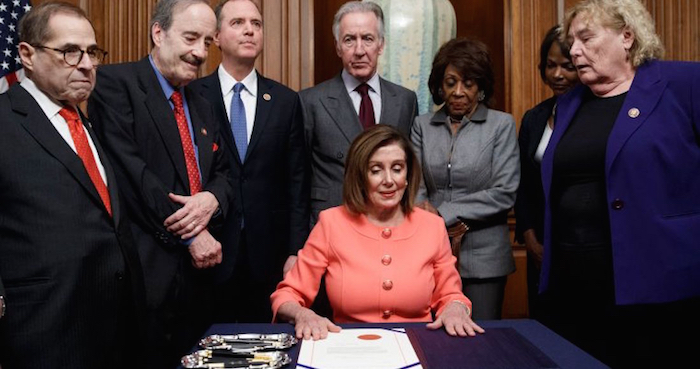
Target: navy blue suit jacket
x,y
272,182
69,271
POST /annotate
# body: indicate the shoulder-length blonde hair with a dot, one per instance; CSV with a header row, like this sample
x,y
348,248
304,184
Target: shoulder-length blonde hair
x,y
618,15
357,167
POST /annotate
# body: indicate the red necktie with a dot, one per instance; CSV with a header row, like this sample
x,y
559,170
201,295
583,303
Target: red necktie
x,y
366,108
187,146
85,153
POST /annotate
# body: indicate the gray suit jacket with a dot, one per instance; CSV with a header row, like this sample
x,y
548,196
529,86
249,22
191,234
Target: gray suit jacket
x,y
479,185
331,124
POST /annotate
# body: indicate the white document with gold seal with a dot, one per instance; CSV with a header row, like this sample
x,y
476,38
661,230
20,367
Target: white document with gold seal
x,y
367,348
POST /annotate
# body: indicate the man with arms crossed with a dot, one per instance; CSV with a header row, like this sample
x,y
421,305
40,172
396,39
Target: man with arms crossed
x,y
261,121
69,272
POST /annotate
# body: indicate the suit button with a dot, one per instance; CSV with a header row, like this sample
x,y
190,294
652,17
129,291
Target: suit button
x,y
386,259
339,155
386,233
386,314
387,285
119,276
617,204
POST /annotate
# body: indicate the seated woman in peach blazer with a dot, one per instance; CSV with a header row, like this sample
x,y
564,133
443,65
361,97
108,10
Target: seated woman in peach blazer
x,y
384,260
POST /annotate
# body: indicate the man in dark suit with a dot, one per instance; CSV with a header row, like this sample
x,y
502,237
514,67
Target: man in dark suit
x,y
172,168
337,110
69,272
262,124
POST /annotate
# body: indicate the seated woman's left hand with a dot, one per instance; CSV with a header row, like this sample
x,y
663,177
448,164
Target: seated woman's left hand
x,y
455,318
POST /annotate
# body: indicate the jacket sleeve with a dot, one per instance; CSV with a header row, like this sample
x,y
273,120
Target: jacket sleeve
x,y
499,197
417,141
299,180
302,283
448,283
524,208
110,109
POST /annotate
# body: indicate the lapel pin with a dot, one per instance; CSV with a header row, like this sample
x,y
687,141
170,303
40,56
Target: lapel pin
x,y
633,113
204,131
267,97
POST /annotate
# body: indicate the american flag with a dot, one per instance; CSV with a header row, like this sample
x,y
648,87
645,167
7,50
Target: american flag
x,y
11,11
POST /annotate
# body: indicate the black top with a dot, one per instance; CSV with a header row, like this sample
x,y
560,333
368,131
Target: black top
x,y
582,250
579,203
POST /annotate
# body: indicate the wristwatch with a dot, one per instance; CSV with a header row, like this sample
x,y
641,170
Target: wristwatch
x,y
2,306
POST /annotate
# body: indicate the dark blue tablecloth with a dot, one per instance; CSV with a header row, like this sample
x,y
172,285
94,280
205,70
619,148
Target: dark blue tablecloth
x,y
517,344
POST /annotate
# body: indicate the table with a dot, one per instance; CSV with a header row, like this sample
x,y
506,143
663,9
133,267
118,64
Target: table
x,y
516,343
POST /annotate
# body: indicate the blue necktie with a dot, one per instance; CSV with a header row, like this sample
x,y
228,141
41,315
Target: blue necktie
x,y
238,121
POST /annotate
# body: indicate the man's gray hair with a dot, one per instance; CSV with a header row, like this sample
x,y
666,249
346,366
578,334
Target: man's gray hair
x,y
358,7
165,9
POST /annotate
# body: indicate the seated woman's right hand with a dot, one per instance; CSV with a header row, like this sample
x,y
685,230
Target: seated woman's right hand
x,y
308,324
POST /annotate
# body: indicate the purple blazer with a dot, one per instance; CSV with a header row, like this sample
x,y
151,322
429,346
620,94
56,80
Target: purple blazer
x,y
652,169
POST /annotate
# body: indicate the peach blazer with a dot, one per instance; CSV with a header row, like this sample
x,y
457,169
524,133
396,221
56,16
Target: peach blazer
x,y
375,274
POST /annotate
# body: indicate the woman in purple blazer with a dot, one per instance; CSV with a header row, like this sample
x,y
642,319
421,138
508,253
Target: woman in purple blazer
x,y
621,177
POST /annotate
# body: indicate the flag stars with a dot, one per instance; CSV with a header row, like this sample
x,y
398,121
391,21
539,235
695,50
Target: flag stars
x,y
11,11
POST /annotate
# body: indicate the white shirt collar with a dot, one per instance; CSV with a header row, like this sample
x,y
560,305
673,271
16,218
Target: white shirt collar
x,y
47,104
351,82
227,82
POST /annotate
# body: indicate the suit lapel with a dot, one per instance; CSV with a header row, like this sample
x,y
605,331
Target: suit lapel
x,y
203,137
163,117
643,96
109,171
39,126
537,129
262,112
568,106
339,107
211,91
391,105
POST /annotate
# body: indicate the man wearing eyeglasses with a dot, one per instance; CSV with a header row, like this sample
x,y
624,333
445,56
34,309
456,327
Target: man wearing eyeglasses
x,y
70,276
173,170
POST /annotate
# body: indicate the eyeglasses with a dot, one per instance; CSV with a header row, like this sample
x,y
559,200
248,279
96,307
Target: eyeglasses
x,y
74,55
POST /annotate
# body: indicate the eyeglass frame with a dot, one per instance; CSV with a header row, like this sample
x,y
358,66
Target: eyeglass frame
x,y
73,49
